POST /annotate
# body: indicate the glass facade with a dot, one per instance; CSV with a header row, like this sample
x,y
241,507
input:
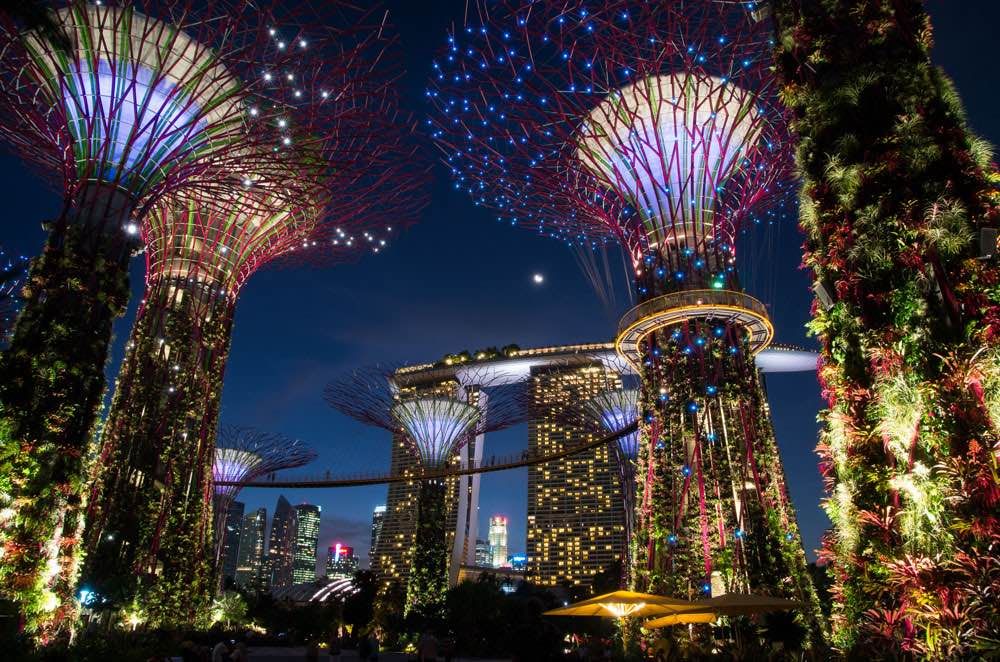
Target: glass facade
x,y
306,540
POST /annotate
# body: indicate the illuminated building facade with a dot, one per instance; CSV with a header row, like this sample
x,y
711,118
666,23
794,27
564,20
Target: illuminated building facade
x,y
484,556
341,562
378,519
250,566
576,525
498,541
306,538
281,546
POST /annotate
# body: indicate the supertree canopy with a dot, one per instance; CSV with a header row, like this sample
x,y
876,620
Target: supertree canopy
x,y
437,419
242,455
436,426
336,179
119,106
656,124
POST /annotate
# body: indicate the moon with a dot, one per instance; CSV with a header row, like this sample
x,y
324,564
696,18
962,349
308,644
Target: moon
x,y
538,279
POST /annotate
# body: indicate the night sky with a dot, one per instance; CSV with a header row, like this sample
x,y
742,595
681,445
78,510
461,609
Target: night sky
x,y
460,280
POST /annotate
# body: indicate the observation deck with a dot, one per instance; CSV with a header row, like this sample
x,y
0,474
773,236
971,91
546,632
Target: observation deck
x,y
674,308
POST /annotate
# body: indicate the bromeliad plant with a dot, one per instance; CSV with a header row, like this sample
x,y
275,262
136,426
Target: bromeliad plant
x,y
896,191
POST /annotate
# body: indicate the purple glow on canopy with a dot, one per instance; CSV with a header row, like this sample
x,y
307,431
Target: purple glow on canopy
x,y
673,156
141,123
243,455
233,465
437,426
617,408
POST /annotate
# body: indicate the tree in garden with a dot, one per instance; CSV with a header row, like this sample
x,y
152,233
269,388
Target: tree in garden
x,y
656,124
337,179
898,202
437,420
118,106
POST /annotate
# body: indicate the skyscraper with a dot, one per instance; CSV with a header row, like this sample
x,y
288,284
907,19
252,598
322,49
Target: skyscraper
x,y
231,540
575,519
484,557
378,519
341,561
498,540
306,539
250,564
281,548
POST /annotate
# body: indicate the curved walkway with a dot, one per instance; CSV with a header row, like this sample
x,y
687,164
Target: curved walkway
x,y
494,463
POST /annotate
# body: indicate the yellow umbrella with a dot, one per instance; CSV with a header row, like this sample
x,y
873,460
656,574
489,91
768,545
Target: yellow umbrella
x,y
746,604
622,604
681,619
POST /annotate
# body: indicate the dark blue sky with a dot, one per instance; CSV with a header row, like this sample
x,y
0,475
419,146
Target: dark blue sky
x,y
459,280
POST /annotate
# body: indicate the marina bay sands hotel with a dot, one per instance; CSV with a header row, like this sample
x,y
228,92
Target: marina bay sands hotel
x,y
575,524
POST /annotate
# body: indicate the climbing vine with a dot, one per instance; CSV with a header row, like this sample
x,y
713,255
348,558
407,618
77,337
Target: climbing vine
x,y
709,458
51,383
895,192
150,520
428,582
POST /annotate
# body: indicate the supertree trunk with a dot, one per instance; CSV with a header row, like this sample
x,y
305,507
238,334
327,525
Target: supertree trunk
x,y
150,524
428,581
895,192
713,513
51,383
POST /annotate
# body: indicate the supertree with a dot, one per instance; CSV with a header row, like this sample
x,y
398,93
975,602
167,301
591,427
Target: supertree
x,y
242,455
899,207
615,406
338,177
656,124
437,419
118,106
12,273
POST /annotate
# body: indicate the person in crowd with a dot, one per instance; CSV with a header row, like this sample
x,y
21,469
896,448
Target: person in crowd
x,y
221,652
